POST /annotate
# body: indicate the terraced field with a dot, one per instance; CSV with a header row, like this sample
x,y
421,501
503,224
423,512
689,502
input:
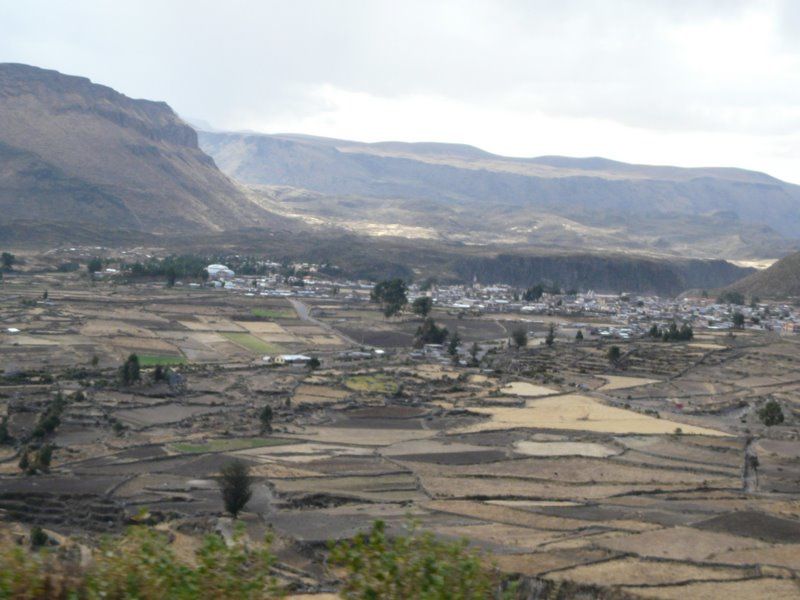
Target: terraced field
x,y
559,465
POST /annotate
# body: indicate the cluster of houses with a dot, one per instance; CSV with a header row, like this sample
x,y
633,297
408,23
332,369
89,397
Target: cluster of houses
x,y
628,315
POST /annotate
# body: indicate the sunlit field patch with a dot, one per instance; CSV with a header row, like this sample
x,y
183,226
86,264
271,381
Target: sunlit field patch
x,y
375,383
581,413
273,313
155,360
228,445
619,382
252,343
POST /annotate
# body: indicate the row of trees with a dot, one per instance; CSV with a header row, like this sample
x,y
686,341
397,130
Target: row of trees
x,y
519,336
673,333
171,268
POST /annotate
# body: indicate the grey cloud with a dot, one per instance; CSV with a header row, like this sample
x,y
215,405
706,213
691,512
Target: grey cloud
x,y
609,60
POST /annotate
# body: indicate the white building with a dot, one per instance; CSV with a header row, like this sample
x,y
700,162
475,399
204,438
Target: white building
x,y
219,272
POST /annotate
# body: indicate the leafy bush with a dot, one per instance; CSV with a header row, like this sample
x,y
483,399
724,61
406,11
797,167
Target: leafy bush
x,y
130,371
141,565
771,413
38,537
430,333
519,336
614,355
416,565
25,574
422,306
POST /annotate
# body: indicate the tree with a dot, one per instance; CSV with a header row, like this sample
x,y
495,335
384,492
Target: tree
x,y
533,293
550,338
172,276
452,347
38,537
422,306
654,331
313,363
95,360
5,436
519,335
430,333
25,461
236,486
45,295
265,416
7,259
731,297
94,265
130,371
579,336
771,413
614,354
473,352
44,457
738,320
674,334
391,295
427,284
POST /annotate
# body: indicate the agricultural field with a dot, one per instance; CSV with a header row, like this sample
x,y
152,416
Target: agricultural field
x,y
557,464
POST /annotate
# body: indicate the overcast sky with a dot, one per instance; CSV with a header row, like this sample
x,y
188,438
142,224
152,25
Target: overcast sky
x,y
695,82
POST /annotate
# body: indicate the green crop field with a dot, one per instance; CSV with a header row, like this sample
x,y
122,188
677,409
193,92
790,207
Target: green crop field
x,y
252,343
377,383
228,445
274,313
164,360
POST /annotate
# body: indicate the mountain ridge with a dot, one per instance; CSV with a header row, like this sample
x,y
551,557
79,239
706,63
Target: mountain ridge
x,y
75,149
704,212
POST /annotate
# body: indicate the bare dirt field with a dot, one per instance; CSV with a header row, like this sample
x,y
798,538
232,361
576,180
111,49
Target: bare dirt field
x,y
557,463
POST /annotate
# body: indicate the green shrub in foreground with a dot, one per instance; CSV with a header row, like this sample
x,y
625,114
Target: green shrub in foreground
x,y
141,565
416,565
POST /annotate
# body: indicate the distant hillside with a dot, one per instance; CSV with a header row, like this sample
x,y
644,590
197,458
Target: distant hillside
x,y
364,257
781,280
458,192
72,151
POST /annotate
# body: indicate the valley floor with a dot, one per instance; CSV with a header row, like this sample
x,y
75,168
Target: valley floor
x,y
555,463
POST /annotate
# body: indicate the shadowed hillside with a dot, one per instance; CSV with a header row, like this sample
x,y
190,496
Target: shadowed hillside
x,y
781,280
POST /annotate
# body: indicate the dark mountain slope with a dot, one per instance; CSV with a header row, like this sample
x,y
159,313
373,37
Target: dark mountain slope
x,y
71,150
781,280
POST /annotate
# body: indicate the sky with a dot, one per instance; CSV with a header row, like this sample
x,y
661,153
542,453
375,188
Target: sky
x,y
683,82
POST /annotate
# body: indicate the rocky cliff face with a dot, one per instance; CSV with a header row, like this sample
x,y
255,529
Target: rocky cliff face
x,y
72,150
